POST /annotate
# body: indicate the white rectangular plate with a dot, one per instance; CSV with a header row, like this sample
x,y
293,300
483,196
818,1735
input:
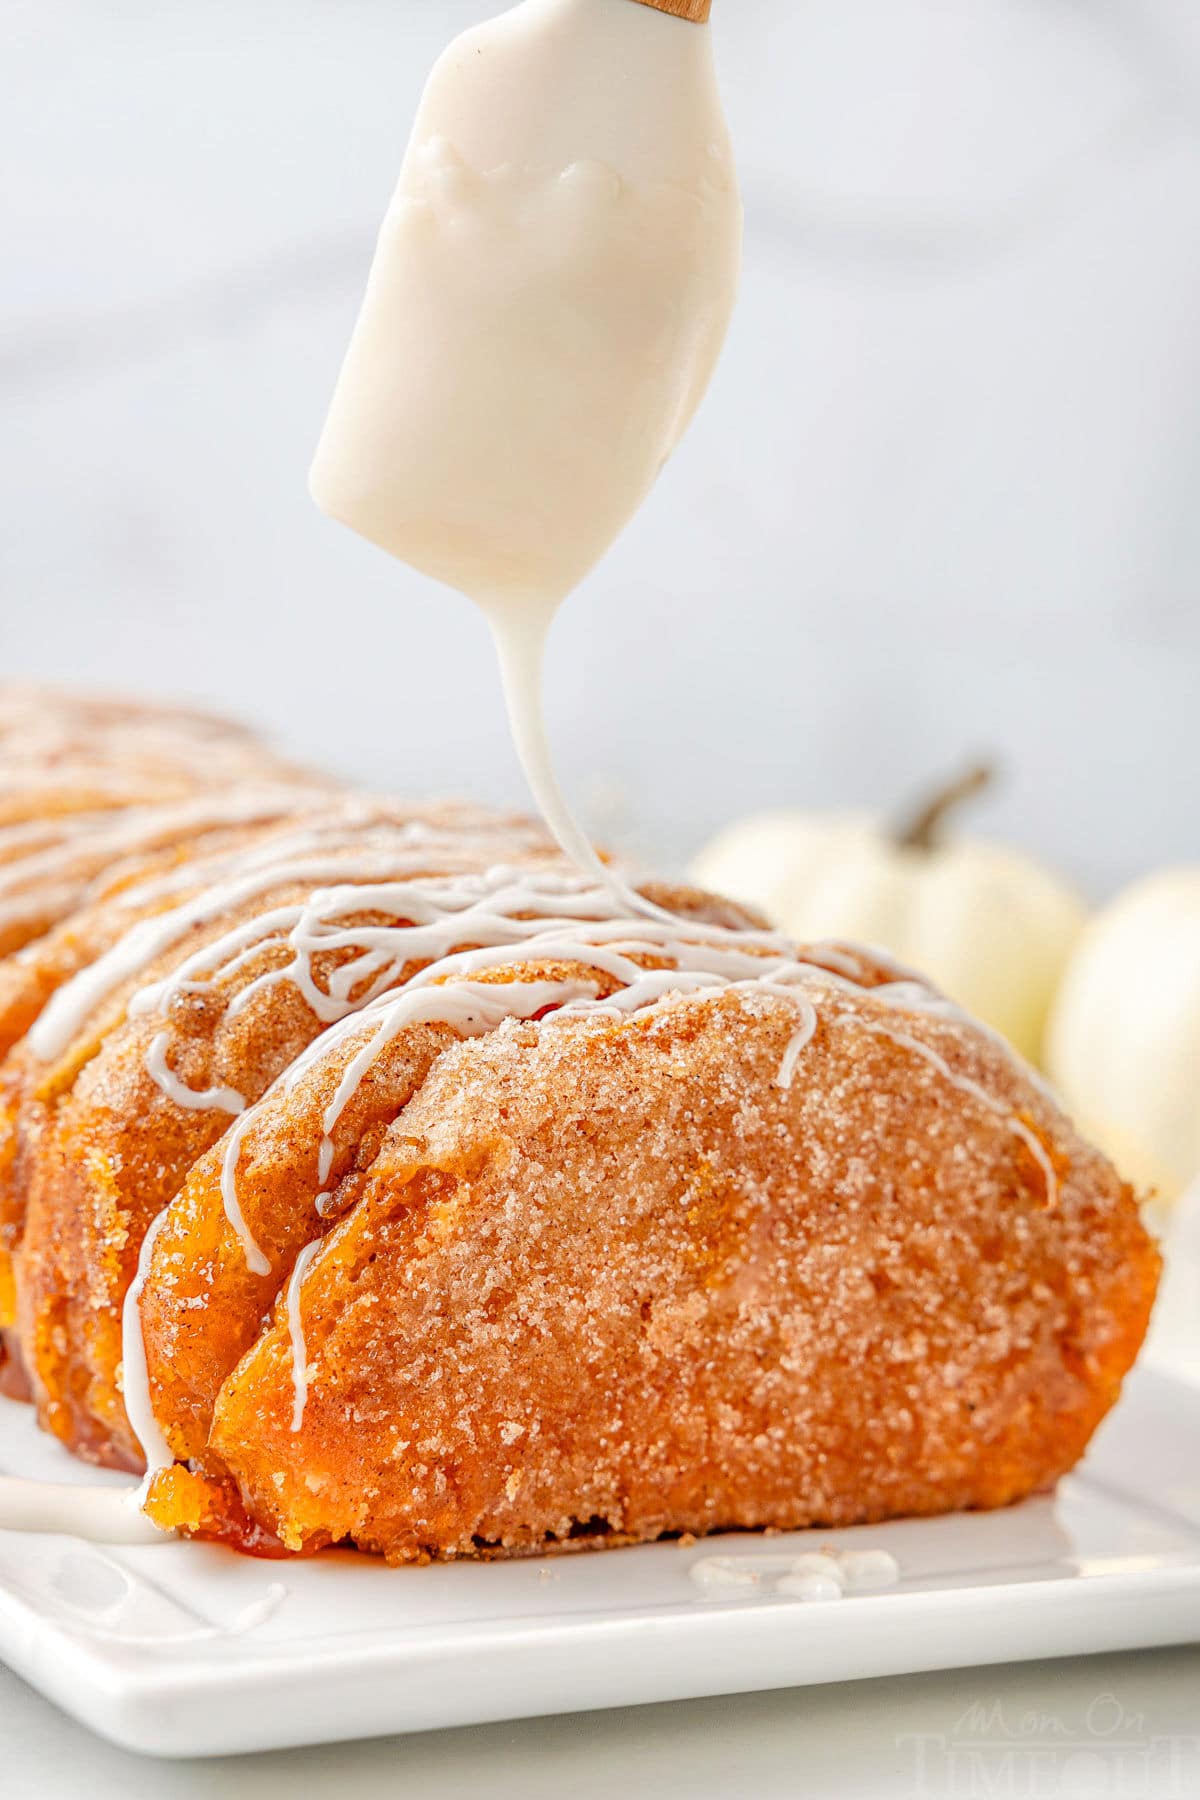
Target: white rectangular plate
x,y
188,1649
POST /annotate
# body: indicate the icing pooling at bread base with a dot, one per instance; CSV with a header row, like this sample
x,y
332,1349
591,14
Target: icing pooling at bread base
x,y
552,287
101,1515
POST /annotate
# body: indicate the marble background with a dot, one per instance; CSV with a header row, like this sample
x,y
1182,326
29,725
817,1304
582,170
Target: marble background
x,y
942,499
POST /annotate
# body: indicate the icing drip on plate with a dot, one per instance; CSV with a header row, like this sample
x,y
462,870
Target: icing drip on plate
x,y
103,1515
810,1575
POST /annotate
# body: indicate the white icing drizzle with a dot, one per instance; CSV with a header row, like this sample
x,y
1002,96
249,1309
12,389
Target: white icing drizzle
x,y
906,979
296,1332
800,1041
707,959
52,868
135,1378
256,1261
315,855
965,1085
214,1099
511,915
26,837
571,922
471,1008
103,838
103,1515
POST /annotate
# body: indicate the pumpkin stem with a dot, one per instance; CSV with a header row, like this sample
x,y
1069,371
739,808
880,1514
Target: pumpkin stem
x,y
924,829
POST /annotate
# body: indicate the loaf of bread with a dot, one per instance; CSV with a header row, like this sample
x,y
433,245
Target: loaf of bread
x,y
370,1176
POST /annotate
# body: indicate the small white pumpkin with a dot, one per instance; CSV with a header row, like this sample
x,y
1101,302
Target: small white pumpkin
x,y
1123,1045
991,927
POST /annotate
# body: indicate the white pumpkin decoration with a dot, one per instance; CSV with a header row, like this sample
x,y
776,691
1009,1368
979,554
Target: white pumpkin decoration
x,y
991,927
1123,1045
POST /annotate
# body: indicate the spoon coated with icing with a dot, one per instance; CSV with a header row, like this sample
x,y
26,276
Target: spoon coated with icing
x,y
552,287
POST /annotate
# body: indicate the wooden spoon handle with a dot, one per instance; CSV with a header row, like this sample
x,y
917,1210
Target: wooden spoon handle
x,y
697,10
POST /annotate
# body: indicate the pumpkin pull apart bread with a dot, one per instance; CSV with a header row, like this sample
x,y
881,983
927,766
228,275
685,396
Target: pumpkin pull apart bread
x,y
371,1177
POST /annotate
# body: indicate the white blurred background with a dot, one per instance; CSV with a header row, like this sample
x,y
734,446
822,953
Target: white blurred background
x,y
942,498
